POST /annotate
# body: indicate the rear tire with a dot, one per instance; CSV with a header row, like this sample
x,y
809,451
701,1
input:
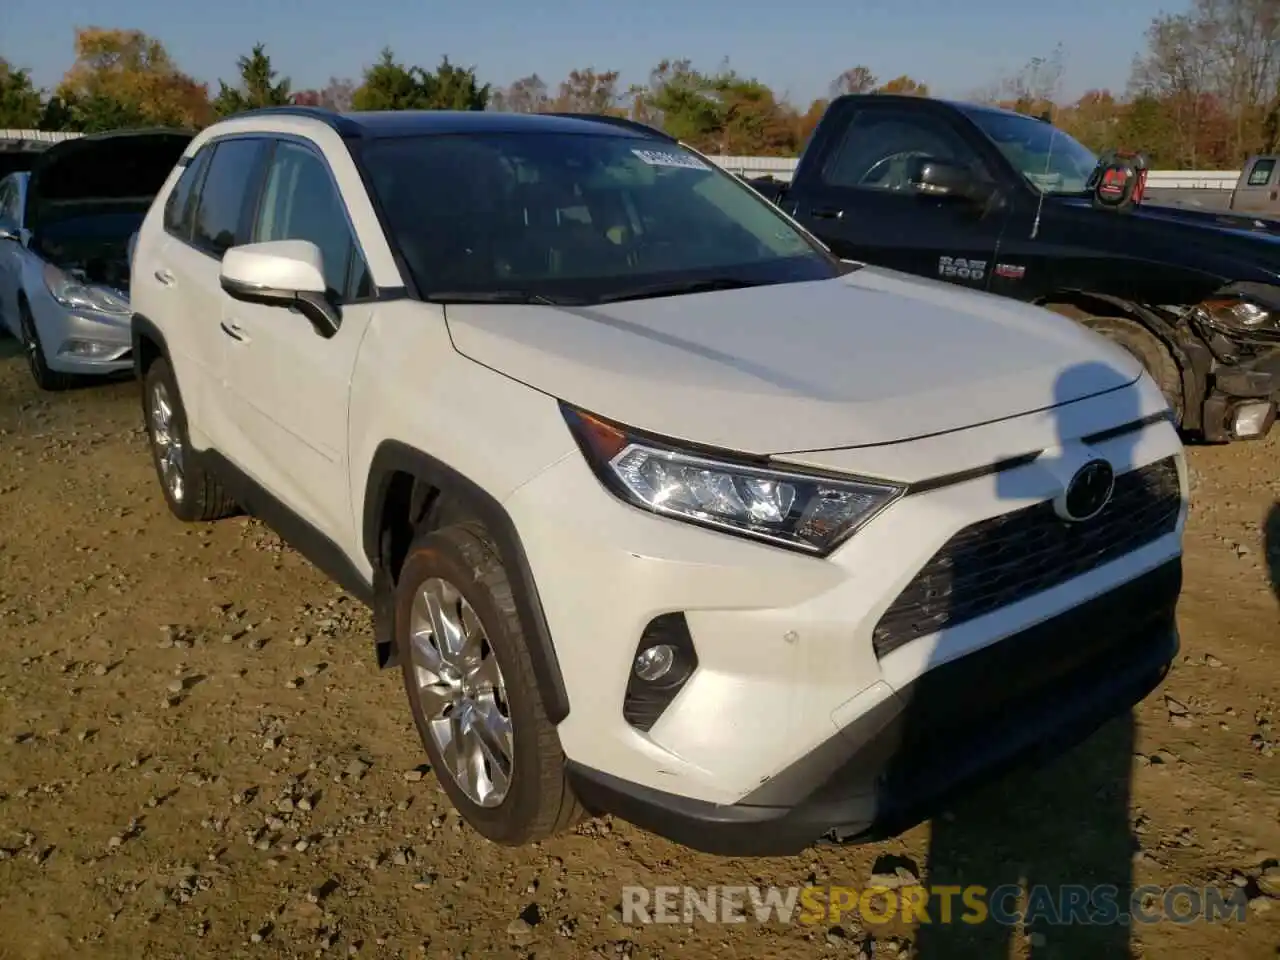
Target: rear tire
x,y
191,492
507,779
46,379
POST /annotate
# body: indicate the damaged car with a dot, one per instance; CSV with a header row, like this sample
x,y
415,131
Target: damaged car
x,y
66,227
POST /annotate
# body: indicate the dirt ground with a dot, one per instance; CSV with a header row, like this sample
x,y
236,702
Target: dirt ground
x,y
199,757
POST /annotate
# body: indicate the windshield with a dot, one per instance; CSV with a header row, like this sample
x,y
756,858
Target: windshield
x,y
574,217
1051,160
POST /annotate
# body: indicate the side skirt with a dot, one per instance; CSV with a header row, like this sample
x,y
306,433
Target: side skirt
x,y
326,555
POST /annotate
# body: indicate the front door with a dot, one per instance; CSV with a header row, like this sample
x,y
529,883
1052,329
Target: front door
x,y
287,383
859,203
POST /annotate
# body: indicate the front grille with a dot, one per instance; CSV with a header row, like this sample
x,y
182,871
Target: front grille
x,y
1000,561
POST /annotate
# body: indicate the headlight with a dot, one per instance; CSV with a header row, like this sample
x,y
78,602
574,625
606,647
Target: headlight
x,y
788,508
1237,315
76,295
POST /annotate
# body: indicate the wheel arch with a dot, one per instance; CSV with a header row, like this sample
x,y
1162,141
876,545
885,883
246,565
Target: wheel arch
x,y
1188,355
410,492
149,344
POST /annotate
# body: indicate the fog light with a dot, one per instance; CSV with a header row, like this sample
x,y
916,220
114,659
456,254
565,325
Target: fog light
x,y
1252,419
654,663
91,349
664,661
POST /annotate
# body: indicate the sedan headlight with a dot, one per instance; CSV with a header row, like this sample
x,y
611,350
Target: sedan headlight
x,y
802,511
76,295
1236,315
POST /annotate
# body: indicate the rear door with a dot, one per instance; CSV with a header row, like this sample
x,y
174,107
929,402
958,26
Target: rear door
x,y
287,385
855,197
206,214
1259,191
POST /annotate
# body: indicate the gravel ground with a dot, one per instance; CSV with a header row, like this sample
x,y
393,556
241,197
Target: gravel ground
x,y
199,757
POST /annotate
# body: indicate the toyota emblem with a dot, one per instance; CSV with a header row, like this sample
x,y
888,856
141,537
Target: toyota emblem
x,y
1088,493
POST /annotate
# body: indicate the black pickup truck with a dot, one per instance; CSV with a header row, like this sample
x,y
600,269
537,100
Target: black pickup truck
x,y
1007,203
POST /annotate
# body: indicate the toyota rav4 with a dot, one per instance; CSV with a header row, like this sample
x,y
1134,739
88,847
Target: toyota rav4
x,y
662,510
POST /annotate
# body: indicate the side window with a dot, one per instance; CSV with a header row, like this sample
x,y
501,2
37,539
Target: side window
x,y
300,202
1260,175
878,144
220,210
179,208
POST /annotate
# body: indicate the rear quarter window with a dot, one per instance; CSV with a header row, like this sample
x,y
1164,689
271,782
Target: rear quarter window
x,y
179,208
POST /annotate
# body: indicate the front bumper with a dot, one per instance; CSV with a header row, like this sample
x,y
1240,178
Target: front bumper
x,y
1247,391
60,328
787,646
1032,695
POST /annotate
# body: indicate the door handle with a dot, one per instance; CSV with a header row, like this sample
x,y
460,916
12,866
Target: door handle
x,y
827,213
234,331
164,277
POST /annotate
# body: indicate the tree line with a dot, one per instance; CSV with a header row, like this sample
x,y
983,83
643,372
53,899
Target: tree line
x,y
1204,93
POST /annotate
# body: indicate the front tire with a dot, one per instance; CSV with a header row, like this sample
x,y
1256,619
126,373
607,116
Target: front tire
x,y
191,492
470,682
46,379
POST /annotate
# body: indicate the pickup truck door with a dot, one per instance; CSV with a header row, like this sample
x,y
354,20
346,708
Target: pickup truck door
x,y
853,195
1258,191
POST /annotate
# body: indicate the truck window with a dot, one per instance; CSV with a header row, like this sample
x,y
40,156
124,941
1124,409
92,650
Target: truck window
x,y
1260,175
878,144
1048,158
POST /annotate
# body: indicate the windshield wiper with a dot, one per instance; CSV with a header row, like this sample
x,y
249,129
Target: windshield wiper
x,y
673,288
494,296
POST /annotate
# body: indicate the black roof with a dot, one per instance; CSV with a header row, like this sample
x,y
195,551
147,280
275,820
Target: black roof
x,y
378,124
962,105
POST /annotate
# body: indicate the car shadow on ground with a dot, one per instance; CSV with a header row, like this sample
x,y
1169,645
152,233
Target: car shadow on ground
x,y
1271,544
1056,830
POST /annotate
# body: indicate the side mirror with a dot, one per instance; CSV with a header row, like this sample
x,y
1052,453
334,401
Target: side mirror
x,y
941,178
9,231
281,273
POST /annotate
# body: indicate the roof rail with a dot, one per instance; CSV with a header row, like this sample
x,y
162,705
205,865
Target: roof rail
x,y
341,124
624,122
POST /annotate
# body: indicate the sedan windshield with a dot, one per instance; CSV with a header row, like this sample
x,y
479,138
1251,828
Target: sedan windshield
x,y
1051,160
554,217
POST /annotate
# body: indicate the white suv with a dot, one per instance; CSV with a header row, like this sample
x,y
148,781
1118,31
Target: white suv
x,y
662,510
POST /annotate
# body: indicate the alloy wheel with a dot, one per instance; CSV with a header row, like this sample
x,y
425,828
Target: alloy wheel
x,y
168,444
462,693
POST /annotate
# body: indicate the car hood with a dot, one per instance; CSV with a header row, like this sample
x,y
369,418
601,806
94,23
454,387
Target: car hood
x,y
873,357
1236,224
110,169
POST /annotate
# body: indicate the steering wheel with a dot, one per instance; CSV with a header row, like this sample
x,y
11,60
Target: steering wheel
x,y
897,179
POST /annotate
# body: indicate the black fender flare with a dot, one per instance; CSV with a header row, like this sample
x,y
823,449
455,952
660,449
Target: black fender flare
x,y
393,457
1192,357
143,329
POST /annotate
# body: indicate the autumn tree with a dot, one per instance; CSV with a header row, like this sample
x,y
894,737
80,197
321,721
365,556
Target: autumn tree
x,y
526,95
722,112
125,78
905,85
258,86
857,79
20,102
586,91
390,85
338,94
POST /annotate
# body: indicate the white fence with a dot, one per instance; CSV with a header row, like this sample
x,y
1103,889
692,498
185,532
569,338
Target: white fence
x,y
782,168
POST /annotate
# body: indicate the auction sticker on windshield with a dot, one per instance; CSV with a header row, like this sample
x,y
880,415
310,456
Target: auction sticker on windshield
x,y
670,158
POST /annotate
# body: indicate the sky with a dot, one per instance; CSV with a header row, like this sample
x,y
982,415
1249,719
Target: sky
x,y
955,47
